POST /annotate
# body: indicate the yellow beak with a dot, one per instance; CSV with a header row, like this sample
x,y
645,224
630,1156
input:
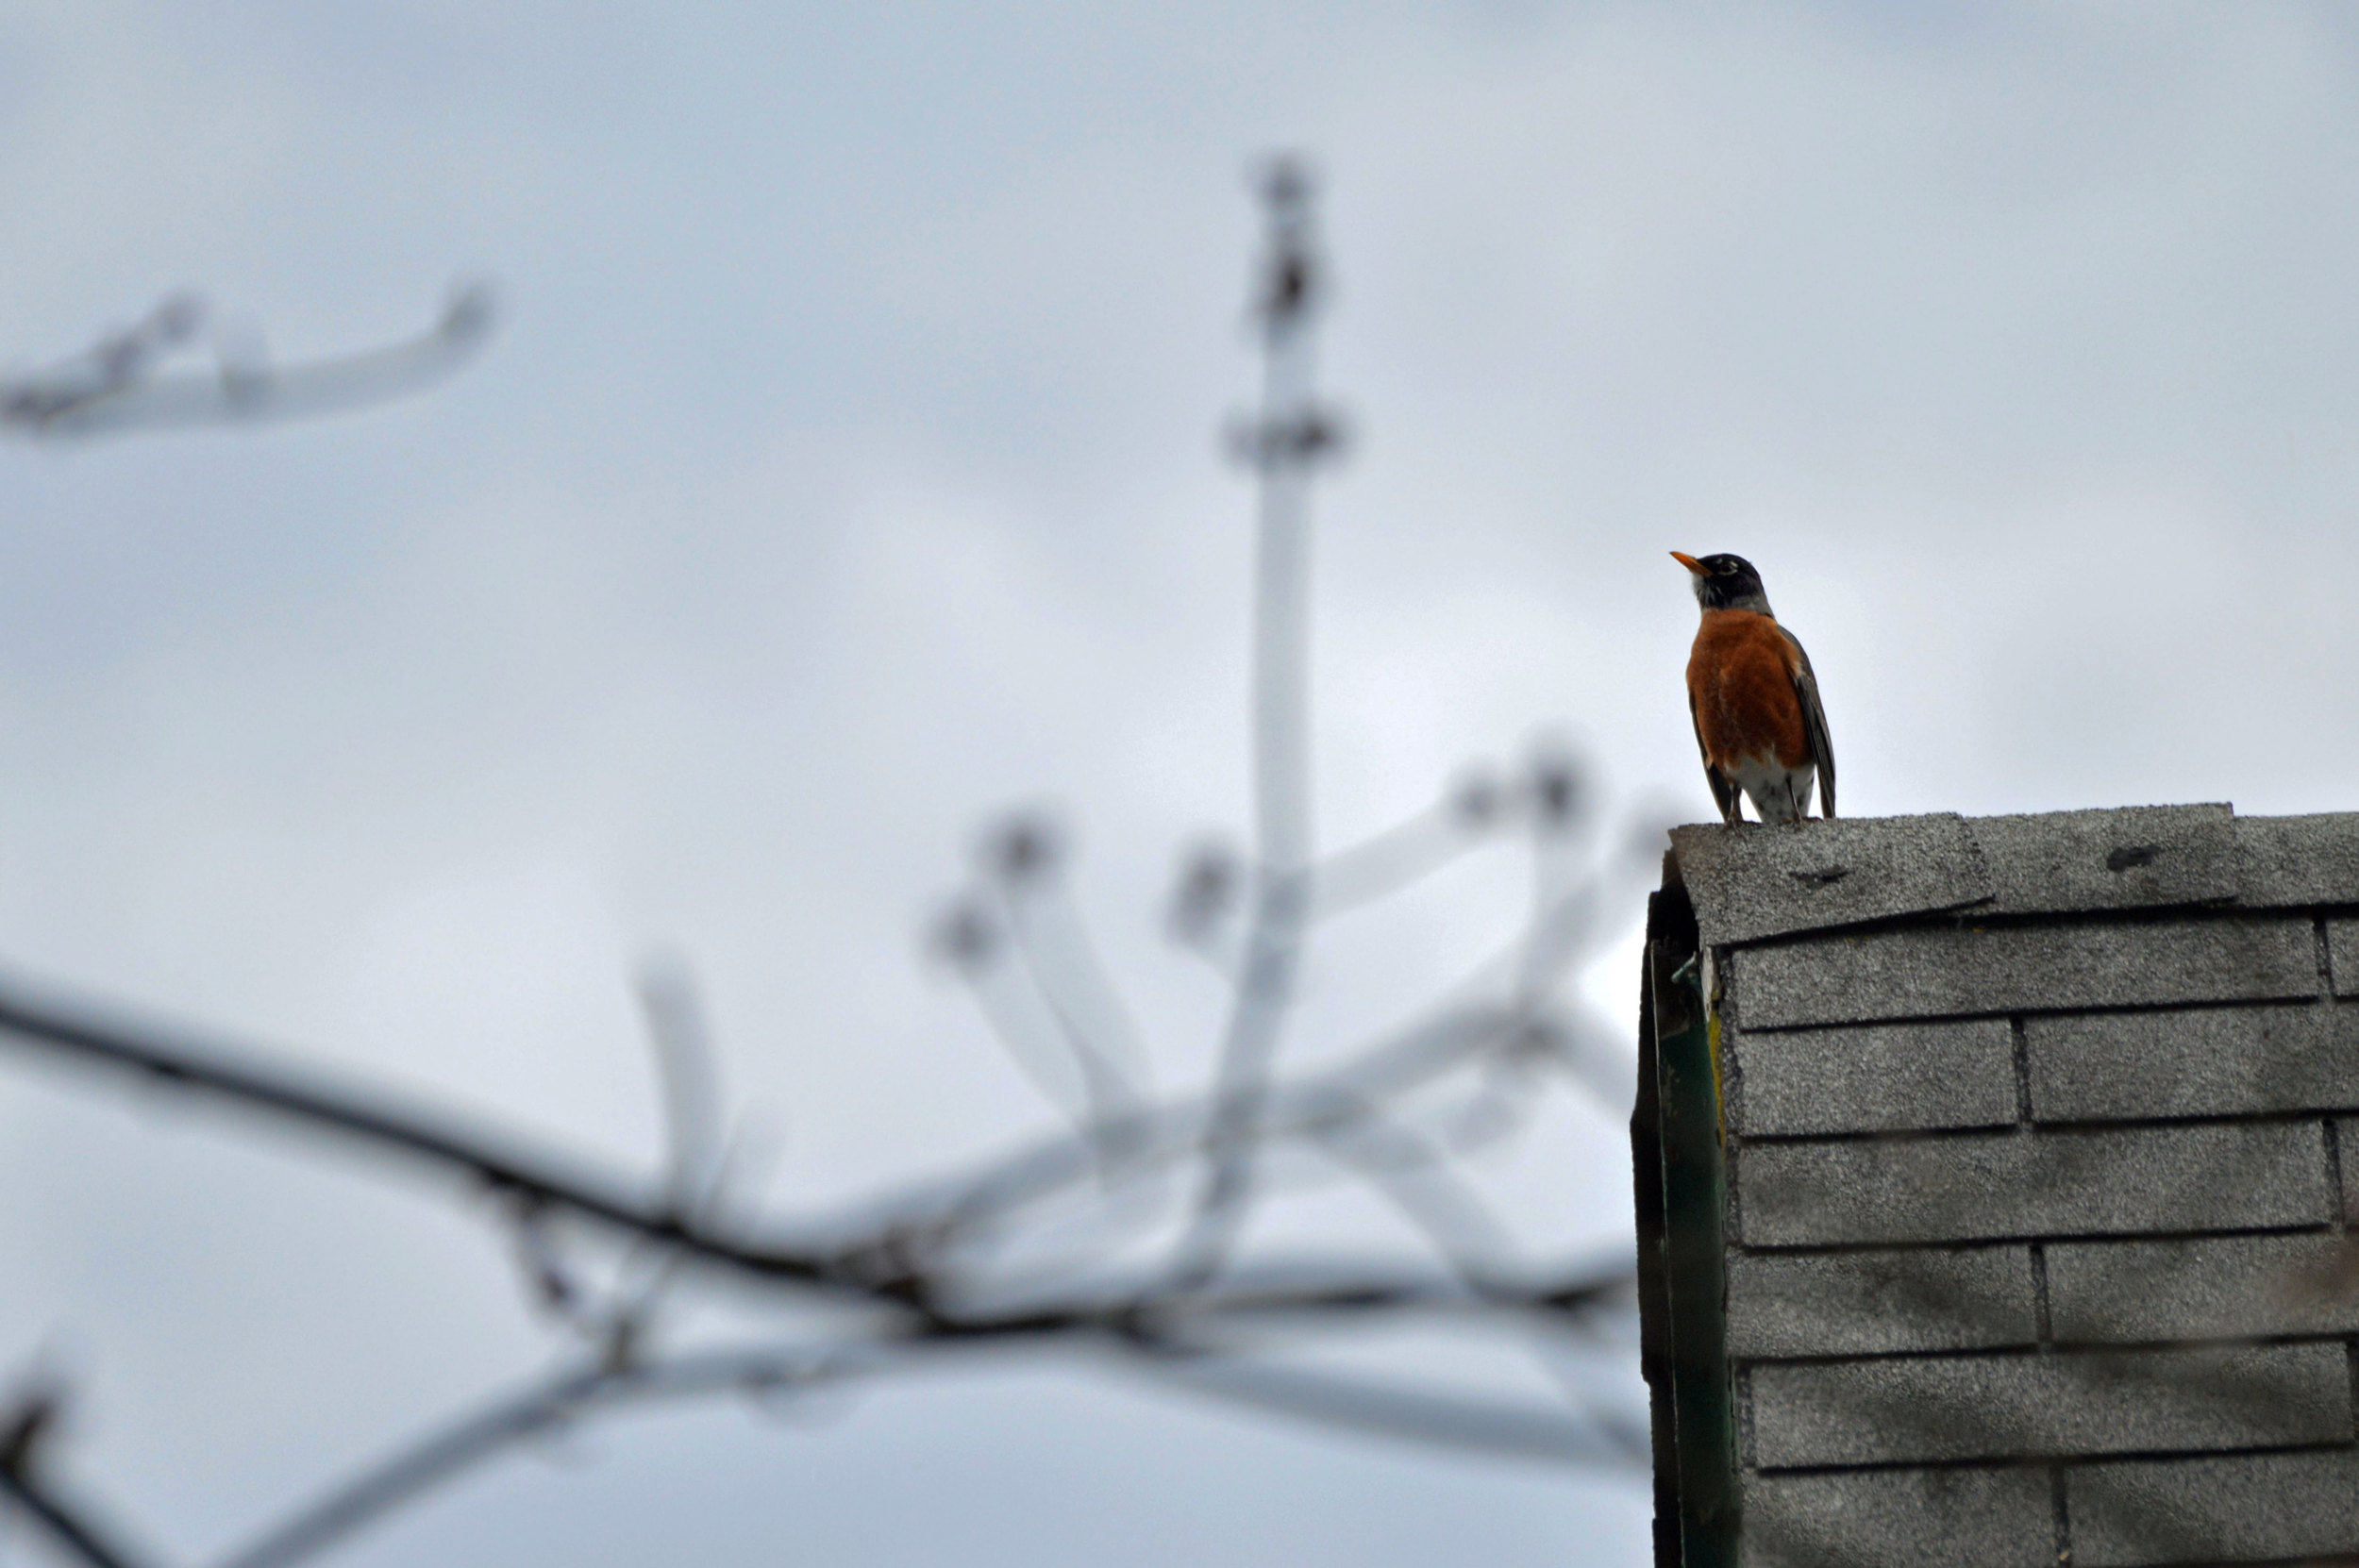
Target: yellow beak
x,y
1689,562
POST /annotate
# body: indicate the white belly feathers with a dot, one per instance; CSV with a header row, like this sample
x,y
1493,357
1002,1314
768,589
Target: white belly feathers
x,y
1777,793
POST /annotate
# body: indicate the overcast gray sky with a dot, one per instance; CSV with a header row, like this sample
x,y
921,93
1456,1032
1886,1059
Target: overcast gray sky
x,y
846,471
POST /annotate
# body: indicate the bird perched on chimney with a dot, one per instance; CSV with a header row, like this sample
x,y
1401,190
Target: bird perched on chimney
x,y
1754,699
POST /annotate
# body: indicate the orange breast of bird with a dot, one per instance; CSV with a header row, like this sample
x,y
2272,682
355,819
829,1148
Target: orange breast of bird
x,y
1741,675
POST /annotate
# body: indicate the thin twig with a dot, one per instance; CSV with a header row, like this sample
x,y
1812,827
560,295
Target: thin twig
x,y
1396,858
1292,435
1054,944
1416,1178
690,1076
541,1404
1433,1418
1433,1046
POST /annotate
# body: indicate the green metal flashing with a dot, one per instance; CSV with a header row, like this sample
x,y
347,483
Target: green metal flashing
x,y
1695,1205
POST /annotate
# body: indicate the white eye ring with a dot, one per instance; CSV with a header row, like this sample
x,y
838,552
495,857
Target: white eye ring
x,y
1726,569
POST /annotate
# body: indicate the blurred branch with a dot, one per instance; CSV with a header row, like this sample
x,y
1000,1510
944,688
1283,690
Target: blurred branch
x,y
114,388
690,1076
552,1402
451,1449
849,1268
1418,1180
1434,1419
68,1525
374,1118
1076,1243
1401,857
440,1456
1166,1347
1290,436
580,1391
1025,868
1176,1128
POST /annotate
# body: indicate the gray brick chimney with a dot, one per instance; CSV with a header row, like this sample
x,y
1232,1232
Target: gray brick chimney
x,y
1994,1181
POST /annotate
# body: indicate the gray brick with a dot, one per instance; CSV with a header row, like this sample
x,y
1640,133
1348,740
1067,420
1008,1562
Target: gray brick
x,y
2036,1405
2141,857
2295,861
1996,1186
2213,1288
2207,1061
1747,883
2342,942
2245,1507
1876,1303
1875,1077
1950,1518
1933,972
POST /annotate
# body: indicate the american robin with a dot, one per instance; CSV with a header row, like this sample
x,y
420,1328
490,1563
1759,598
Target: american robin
x,y
1754,699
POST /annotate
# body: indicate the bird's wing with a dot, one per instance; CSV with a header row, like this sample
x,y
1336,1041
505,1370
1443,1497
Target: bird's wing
x,y
1723,787
1813,720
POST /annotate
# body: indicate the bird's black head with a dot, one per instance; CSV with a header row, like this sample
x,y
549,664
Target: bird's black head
x,y
1725,582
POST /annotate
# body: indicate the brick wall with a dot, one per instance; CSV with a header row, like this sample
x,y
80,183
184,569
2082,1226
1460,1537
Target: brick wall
x,y
2036,1184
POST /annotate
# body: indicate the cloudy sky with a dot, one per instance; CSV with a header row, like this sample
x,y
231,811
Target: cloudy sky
x,y
846,471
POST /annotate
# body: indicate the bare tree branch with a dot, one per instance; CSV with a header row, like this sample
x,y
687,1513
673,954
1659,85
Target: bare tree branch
x,y
1054,943
1441,1420
1292,435
576,1391
112,388
374,1118
67,1524
1087,1242
1396,858
690,1074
